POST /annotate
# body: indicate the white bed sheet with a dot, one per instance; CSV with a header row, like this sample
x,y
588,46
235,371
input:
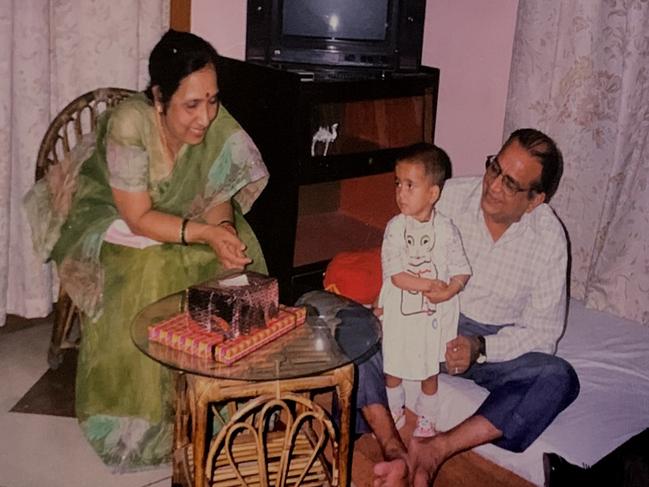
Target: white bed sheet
x,y
611,357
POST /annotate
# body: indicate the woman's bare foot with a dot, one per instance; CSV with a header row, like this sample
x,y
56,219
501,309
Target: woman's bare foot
x,y
391,473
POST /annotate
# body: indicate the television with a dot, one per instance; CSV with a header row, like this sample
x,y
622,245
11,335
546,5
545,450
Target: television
x,y
382,35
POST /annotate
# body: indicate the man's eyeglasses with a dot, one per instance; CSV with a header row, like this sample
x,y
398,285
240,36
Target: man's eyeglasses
x,y
509,185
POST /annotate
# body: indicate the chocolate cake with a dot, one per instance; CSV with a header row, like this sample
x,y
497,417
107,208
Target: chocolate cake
x,y
246,301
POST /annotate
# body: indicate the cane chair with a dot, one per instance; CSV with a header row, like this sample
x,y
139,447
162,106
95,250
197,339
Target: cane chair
x,y
275,441
77,119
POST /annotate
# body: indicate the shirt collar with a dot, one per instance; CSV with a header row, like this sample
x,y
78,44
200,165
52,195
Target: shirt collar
x,y
514,230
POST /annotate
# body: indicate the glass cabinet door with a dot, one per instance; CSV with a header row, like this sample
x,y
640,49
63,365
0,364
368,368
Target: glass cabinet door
x,y
370,125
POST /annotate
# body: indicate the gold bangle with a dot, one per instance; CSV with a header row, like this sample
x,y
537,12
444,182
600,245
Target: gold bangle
x,y
183,228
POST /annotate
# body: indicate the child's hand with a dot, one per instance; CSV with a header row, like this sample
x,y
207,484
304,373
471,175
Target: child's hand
x,y
376,308
438,293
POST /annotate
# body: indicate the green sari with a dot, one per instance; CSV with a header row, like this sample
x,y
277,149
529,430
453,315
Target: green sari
x,y
124,400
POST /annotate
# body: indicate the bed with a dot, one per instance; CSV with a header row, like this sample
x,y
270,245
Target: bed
x,y
611,357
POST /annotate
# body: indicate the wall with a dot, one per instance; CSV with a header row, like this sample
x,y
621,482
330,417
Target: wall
x,y
469,40
223,23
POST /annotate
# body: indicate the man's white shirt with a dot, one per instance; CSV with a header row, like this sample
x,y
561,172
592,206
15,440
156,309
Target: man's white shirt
x,y
520,279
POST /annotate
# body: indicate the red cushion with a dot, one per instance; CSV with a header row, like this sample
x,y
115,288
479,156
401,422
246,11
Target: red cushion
x,y
355,275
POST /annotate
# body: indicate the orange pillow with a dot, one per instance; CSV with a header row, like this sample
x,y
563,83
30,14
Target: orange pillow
x,y
355,275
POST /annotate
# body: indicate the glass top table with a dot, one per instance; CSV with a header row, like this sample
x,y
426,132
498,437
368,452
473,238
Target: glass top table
x,y
307,350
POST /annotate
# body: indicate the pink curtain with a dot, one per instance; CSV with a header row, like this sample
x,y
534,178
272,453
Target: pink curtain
x,y
580,72
51,52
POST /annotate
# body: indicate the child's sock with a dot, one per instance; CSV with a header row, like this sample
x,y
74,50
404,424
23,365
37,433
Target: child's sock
x,y
427,405
427,408
397,402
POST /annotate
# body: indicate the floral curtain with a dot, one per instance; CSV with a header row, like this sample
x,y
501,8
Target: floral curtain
x,y
51,52
580,72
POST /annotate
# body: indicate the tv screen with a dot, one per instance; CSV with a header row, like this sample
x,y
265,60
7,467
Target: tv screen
x,y
336,19
336,34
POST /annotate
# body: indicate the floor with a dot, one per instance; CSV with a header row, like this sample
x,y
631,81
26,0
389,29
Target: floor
x,y
49,449
37,449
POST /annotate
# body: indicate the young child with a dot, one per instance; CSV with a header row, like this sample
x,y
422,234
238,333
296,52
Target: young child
x,y
424,268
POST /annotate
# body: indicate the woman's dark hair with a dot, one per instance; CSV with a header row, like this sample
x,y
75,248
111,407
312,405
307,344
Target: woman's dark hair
x,y
174,57
539,145
434,159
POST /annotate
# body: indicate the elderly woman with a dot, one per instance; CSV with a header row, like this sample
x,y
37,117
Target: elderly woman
x,y
179,171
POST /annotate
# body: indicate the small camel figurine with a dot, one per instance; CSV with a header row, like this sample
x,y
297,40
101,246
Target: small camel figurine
x,y
326,135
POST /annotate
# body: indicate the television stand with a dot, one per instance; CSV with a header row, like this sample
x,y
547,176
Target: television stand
x,y
329,142
309,72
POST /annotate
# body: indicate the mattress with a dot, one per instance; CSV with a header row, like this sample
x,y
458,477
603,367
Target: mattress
x,y
611,357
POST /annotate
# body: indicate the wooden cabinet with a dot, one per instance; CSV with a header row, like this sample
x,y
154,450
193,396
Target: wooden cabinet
x,y
329,141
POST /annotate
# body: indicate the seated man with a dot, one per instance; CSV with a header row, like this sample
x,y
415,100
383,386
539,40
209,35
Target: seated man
x,y
512,314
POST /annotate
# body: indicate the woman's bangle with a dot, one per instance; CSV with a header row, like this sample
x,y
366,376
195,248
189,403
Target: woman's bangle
x,y
225,222
183,228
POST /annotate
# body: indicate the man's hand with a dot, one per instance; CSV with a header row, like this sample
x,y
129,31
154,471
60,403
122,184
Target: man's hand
x,y
461,353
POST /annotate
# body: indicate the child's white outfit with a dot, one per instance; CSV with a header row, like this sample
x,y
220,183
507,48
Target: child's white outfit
x,y
415,331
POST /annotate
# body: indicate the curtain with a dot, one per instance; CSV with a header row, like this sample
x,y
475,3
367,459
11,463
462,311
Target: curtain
x,y
580,72
50,53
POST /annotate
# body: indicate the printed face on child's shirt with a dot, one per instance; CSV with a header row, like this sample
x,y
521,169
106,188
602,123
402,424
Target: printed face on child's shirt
x,y
415,193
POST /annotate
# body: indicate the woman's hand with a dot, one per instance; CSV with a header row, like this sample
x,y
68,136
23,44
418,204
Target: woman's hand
x,y
229,227
227,246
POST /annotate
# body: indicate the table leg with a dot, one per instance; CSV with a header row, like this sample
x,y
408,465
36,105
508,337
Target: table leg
x,y
345,386
199,430
181,474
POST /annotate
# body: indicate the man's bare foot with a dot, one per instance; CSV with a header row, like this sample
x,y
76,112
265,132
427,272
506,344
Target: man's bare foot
x,y
392,473
425,457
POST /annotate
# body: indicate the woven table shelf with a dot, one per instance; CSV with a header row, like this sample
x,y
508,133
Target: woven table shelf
x,y
247,452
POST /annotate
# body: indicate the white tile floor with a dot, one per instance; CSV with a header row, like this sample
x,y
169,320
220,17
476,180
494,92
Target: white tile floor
x,y
38,450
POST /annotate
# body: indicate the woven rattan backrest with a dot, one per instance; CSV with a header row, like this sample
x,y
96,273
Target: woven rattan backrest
x,y
252,450
77,119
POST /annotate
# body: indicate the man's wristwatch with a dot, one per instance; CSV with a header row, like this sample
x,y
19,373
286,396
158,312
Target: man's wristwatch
x,y
482,351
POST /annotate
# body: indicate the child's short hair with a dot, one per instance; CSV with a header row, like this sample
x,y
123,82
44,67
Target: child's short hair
x,y
435,160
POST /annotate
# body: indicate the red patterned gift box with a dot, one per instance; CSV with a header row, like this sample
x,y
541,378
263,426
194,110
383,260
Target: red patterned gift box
x,y
182,333
287,319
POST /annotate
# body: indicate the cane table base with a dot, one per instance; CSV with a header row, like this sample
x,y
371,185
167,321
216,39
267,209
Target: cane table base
x,y
247,451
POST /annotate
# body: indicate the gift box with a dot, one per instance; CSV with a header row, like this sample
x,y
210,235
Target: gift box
x,y
287,319
247,301
182,333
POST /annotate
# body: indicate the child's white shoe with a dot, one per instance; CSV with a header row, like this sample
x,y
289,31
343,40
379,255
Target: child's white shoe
x,y
427,409
425,427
